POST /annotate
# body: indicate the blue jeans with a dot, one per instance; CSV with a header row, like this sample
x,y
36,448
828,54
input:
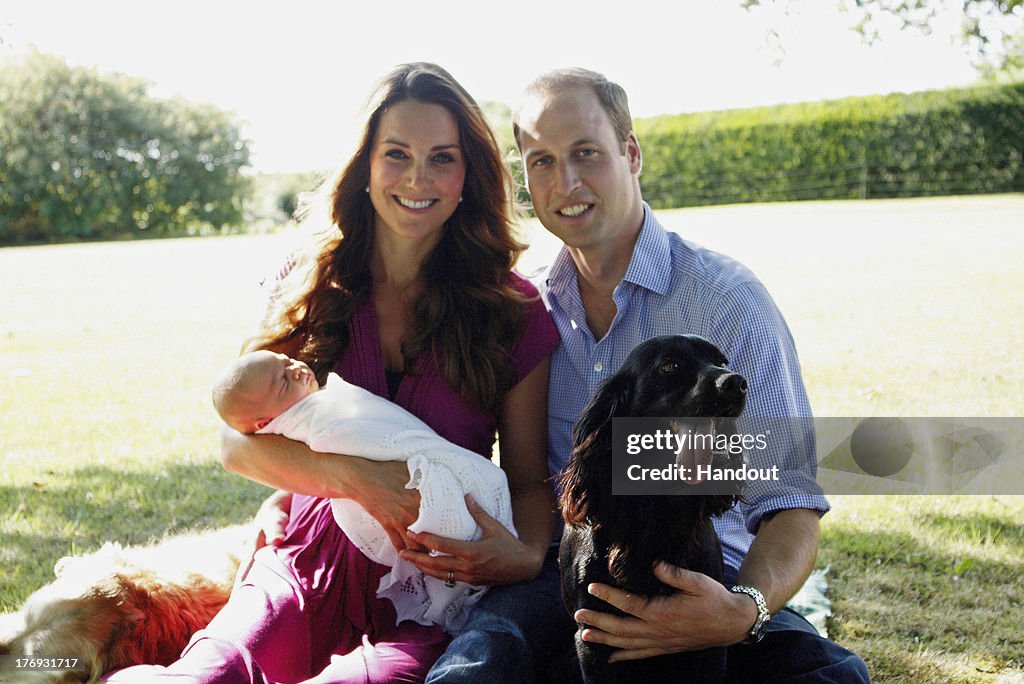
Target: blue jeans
x,y
513,634
793,651
523,633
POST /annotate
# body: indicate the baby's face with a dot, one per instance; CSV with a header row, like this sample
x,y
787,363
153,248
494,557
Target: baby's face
x,y
280,382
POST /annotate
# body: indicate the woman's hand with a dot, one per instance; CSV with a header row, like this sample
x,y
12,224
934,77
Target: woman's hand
x,y
289,465
498,557
271,519
379,487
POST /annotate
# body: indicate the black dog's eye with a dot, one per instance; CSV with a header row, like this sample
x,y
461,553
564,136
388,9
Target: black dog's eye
x,y
669,367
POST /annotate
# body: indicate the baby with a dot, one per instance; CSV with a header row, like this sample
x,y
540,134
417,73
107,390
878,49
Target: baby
x,y
259,387
268,393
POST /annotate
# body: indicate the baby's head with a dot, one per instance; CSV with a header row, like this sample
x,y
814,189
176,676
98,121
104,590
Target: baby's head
x,y
259,387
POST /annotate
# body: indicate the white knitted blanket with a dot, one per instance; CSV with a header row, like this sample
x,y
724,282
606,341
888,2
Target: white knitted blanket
x,y
343,418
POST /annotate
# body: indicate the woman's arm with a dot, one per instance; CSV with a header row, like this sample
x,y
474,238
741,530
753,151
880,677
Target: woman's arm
x,y
499,557
522,430
378,486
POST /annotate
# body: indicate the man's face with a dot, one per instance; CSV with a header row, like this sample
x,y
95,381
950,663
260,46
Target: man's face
x,y
581,177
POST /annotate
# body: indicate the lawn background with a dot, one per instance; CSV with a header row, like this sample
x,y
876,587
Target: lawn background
x,y
899,307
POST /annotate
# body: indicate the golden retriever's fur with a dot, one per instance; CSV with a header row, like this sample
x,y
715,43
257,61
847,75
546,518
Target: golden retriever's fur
x,y
123,606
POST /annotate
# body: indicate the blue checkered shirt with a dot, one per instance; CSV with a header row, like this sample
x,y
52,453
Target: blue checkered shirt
x,y
676,287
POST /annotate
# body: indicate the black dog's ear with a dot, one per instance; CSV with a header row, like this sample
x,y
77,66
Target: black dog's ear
x,y
585,483
611,399
586,480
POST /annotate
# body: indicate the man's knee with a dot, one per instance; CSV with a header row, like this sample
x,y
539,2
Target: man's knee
x,y
851,670
796,656
498,653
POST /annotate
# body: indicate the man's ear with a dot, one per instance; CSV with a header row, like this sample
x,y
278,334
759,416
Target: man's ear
x,y
262,423
633,153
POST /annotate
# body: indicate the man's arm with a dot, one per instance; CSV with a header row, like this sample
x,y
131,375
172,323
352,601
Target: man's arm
x,y
703,613
781,556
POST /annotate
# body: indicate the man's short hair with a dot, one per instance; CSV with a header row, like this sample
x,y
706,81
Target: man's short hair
x,y
610,94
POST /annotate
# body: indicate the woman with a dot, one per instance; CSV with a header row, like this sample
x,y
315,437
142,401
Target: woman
x,y
410,296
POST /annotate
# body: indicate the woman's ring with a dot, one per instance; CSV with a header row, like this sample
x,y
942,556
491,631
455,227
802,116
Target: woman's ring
x,y
450,582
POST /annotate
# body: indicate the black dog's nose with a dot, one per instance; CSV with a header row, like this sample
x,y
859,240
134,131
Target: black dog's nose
x,y
732,384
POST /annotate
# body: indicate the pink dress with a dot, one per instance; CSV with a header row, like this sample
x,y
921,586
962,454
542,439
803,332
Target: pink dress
x,y
307,610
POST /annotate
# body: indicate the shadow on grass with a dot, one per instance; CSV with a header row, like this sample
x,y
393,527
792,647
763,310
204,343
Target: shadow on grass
x,y
908,550
978,528
900,603
40,524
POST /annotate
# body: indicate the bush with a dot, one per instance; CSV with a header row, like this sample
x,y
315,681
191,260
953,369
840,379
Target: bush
x,y
85,155
962,141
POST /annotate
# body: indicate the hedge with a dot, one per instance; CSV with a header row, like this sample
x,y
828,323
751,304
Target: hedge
x,y
961,141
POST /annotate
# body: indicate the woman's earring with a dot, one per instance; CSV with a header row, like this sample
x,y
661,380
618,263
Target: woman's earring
x,y
367,188
460,199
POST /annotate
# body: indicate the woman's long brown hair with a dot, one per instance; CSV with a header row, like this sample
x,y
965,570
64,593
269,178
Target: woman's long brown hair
x,y
469,312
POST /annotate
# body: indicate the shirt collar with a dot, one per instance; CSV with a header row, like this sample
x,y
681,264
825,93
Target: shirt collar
x,y
562,273
649,267
651,264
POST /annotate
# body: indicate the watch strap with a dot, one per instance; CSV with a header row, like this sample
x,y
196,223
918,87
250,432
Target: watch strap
x,y
763,616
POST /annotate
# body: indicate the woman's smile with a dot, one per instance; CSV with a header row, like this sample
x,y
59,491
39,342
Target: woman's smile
x,y
415,204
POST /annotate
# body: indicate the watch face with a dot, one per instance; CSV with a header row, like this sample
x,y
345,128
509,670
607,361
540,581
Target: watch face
x,y
759,633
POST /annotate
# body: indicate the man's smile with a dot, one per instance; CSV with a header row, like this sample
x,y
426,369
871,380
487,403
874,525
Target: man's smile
x,y
574,210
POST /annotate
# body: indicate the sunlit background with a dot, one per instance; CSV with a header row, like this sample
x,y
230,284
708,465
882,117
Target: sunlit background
x,y
296,73
906,306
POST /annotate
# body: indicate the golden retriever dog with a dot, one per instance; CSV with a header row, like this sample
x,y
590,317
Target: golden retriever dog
x,y
122,605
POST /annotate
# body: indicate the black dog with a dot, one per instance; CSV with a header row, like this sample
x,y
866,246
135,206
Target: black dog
x,y
617,539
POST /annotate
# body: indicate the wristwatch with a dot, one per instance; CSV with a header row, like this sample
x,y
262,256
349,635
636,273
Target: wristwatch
x,y
757,632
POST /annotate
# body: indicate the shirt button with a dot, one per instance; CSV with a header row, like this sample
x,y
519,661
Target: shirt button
x,y
598,367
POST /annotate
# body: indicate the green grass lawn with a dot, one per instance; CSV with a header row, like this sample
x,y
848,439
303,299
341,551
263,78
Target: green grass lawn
x,y
908,308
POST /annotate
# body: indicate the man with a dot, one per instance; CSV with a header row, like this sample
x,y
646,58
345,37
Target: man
x,y
622,279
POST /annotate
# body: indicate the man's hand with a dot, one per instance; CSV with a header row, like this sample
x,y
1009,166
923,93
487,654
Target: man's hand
x,y
498,557
703,614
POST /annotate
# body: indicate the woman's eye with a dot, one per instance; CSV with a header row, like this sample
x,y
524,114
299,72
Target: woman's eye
x,y
395,154
669,367
444,158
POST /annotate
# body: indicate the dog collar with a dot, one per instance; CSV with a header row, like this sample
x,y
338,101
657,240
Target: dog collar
x,y
757,632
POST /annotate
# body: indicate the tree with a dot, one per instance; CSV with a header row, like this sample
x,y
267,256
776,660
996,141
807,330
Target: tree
x,y
499,117
90,156
992,29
